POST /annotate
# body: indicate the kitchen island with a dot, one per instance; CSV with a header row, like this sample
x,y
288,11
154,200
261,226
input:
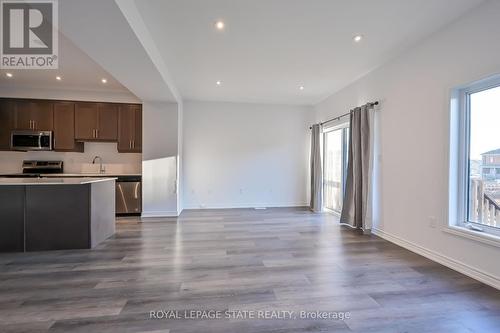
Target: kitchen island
x,y
38,214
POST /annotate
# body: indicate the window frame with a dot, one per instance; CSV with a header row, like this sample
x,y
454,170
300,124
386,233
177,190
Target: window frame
x,y
344,127
458,215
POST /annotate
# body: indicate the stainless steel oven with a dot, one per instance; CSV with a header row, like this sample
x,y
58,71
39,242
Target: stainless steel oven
x,y
31,140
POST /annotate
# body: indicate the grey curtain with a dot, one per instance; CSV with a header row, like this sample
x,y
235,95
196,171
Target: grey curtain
x,y
356,208
316,169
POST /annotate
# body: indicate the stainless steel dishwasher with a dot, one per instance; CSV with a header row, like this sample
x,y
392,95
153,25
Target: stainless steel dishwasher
x,y
128,195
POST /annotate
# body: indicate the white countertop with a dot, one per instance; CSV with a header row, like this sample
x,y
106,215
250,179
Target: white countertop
x,y
53,181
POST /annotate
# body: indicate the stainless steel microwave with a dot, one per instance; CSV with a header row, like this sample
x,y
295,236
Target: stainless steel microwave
x,y
31,140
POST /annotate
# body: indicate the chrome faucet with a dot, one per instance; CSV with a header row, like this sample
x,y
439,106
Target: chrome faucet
x,y
101,166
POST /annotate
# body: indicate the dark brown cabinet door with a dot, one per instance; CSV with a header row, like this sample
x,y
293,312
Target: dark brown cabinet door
x,y
6,122
125,128
34,115
130,129
137,145
23,115
64,128
86,121
42,115
108,122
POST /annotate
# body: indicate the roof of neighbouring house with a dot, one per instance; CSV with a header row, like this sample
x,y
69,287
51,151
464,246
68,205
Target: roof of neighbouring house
x,y
492,152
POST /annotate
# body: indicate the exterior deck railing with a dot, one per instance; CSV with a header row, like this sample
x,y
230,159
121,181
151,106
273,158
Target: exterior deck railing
x,y
483,208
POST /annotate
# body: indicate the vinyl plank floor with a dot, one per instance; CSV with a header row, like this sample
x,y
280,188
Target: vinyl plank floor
x,y
241,260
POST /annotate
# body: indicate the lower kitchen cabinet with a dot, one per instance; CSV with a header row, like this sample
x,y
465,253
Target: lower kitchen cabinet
x,y
12,219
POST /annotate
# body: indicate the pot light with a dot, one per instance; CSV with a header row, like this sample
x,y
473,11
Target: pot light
x,y
58,78
9,74
104,80
301,88
357,38
219,25
218,83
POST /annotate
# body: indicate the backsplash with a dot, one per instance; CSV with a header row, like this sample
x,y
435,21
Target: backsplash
x,y
114,162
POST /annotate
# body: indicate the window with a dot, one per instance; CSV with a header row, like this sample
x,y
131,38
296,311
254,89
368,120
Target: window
x,y
477,139
335,146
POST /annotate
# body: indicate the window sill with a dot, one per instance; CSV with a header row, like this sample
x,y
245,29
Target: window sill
x,y
474,235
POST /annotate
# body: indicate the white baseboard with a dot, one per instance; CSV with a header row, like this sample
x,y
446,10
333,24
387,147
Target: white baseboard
x,y
439,258
250,205
172,213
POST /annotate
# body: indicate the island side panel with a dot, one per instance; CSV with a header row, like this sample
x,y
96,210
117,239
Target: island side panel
x,y
57,217
102,212
11,218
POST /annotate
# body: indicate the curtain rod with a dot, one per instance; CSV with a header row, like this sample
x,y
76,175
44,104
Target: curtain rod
x,y
345,114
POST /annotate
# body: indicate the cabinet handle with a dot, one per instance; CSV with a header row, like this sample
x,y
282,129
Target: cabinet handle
x,y
96,133
31,124
133,144
130,144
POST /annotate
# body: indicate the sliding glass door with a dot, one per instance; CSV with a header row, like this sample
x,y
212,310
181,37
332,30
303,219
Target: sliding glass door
x,y
335,166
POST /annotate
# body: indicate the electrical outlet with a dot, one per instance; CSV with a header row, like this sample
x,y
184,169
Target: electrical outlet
x,y
432,222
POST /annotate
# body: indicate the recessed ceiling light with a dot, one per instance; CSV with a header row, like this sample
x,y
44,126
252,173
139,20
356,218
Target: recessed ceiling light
x,y
9,74
218,83
301,87
58,78
104,80
357,38
219,25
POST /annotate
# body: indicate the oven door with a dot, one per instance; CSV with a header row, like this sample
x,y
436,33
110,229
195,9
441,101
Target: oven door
x,y
31,140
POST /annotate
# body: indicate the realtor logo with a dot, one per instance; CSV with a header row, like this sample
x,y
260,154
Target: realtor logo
x,y
29,34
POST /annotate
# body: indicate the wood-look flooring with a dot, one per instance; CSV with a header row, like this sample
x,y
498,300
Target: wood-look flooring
x,y
242,259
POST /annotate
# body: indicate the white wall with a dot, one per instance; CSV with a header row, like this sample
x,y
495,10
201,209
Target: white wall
x,y
159,159
244,155
414,91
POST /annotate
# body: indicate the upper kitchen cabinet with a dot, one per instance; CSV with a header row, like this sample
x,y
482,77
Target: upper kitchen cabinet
x,y
64,129
130,129
108,122
6,122
34,115
96,122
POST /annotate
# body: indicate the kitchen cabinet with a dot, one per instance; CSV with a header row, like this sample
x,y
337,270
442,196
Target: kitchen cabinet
x,y
130,129
6,122
108,122
33,115
96,122
73,122
64,128
12,202
86,121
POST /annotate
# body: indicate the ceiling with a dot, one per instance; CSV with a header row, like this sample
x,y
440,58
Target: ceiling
x,y
269,48
77,70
